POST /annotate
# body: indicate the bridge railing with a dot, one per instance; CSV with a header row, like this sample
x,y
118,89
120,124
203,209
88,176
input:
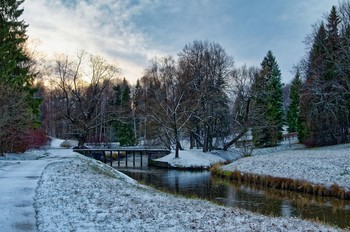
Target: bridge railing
x,y
107,155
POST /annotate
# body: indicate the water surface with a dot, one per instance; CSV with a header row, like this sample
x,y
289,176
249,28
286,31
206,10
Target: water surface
x,y
260,200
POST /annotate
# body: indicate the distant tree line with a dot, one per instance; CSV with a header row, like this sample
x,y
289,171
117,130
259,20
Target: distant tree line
x,y
198,96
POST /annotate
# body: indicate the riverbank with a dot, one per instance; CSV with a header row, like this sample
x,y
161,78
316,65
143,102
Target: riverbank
x,y
85,195
195,159
320,171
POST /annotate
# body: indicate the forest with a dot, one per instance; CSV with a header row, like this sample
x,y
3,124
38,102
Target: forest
x,y
199,96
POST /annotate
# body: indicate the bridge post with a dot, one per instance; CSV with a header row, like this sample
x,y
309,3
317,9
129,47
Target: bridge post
x,y
126,158
133,158
141,152
104,157
111,157
118,158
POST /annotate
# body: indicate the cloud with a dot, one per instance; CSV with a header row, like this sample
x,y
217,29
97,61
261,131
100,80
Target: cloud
x,y
134,31
102,27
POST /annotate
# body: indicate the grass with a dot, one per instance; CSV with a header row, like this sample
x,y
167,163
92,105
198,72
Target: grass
x,y
96,168
281,183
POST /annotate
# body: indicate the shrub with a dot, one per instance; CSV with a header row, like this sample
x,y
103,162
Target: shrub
x,y
36,139
30,139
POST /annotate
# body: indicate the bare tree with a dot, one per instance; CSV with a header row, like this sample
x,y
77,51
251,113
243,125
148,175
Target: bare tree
x,y
166,104
205,67
242,93
81,88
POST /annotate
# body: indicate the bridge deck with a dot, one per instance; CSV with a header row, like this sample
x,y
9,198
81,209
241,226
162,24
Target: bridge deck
x,y
107,153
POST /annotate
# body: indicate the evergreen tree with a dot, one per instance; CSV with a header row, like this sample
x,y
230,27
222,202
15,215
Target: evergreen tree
x,y
332,43
323,113
14,63
268,104
124,126
310,93
293,110
138,106
15,67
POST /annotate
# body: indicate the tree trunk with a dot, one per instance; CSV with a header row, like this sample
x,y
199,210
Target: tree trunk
x,y
81,140
235,139
192,141
177,148
82,137
206,139
197,141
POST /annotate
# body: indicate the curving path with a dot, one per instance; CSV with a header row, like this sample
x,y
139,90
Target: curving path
x,y
18,182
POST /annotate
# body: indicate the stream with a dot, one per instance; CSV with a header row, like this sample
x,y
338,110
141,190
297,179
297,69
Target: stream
x,y
264,201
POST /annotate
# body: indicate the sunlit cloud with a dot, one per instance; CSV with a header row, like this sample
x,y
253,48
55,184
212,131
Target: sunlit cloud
x,y
99,27
131,32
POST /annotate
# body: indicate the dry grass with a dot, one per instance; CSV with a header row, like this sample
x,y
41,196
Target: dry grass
x,y
281,183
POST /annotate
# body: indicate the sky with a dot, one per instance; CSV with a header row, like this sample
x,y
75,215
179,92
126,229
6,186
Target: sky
x,y
129,33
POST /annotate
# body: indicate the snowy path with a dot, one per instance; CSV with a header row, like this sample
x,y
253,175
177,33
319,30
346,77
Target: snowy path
x,y
18,181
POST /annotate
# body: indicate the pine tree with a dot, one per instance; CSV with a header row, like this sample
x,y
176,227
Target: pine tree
x,y
14,63
293,110
268,104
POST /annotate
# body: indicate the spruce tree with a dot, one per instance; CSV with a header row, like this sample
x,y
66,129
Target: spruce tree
x,y
322,113
293,110
14,62
15,73
310,94
332,43
268,104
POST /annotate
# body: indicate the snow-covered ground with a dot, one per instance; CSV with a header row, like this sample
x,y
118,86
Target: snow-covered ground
x,y
195,158
325,166
29,155
75,193
86,195
191,159
13,158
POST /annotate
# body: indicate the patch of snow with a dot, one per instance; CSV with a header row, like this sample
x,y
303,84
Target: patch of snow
x,y
284,146
4,164
194,158
28,155
85,195
325,166
229,155
56,143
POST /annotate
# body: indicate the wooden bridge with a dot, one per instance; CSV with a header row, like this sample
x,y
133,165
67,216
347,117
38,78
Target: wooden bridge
x,y
106,155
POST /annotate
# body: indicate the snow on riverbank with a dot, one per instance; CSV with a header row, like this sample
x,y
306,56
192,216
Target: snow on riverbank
x,y
325,166
191,159
85,195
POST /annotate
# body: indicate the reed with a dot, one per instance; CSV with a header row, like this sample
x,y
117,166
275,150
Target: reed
x,y
281,183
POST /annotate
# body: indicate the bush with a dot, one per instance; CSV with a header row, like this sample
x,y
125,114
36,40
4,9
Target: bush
x,y
30,139
36,139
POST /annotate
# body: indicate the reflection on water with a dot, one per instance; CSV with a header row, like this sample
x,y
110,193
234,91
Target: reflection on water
x,y
264,201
